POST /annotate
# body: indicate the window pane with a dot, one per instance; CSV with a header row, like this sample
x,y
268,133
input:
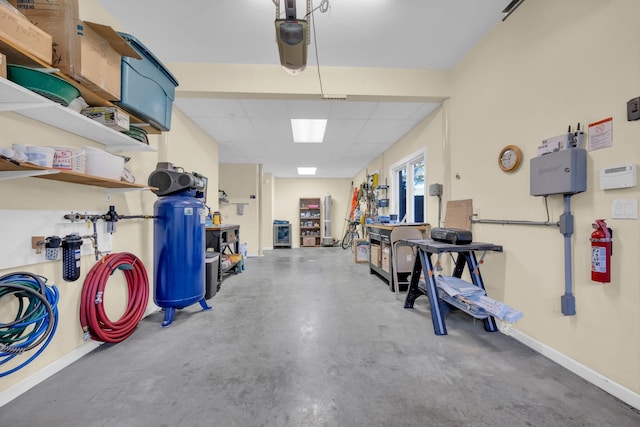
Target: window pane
x,y
418,191
402,194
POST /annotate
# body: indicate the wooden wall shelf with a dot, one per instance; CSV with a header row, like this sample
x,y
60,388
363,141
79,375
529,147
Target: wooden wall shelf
x,y
10,170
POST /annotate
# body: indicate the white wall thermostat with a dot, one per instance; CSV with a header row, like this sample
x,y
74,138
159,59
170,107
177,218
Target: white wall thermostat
x,y
623,176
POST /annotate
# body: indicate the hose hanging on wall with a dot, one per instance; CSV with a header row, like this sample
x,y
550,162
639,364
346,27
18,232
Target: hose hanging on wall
x,y
36,319
93,318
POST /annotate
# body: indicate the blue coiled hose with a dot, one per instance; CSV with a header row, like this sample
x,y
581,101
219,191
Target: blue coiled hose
x,y
36,319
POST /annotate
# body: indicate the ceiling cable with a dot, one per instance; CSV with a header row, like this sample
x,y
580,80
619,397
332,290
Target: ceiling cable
x,y
315,48
323,7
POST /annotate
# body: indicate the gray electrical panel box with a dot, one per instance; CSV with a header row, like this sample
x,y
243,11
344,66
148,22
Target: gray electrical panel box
x,y
560,172
435,190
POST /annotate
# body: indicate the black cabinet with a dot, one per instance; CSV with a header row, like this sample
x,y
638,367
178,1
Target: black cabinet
x,y
225,239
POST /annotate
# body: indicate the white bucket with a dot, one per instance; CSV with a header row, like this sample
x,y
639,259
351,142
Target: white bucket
x,y
103,164
41,156
70,158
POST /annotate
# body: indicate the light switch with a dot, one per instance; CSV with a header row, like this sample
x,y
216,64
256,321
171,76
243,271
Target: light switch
x,y
633,109
624,209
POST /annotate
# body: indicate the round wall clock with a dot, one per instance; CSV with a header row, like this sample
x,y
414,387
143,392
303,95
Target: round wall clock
x,y
510,158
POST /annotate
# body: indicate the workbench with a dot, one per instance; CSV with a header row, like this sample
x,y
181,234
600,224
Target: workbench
x,y
466,256
379,241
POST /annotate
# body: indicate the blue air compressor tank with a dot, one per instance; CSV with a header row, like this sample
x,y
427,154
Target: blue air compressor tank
x,y
179,252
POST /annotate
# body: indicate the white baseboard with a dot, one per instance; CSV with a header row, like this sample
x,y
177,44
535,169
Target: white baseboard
x,y
617,390
44,373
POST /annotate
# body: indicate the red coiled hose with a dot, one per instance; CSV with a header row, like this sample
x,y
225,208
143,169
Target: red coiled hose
x,y
93,318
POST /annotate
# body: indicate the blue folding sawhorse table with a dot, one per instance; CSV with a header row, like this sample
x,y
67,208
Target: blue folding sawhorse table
x,y
466,256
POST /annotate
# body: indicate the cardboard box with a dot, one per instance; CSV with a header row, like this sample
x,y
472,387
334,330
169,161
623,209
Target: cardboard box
x,y
111,117
50,8
88,52
308,241
17,32
3,66
361,252
404,259
375,255
385,259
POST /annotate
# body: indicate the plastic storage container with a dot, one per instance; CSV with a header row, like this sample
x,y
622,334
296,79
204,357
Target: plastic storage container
x,y
41,156
103,164
147,87
212,266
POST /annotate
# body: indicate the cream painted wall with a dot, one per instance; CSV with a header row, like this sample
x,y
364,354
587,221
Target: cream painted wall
x,y
240,81
287,194
527,80
135,236
186,145
267,211
530,78
427,137
241,182
38,194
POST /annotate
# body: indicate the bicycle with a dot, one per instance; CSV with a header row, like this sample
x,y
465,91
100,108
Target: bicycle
x,y
350,235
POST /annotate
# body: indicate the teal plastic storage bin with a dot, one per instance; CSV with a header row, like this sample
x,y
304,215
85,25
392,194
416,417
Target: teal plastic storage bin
x,y
147,88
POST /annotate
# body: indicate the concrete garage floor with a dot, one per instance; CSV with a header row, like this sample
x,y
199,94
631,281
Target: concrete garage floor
x,y
306,337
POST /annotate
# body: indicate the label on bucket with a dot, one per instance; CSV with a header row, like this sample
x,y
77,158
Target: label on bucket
x,y
63,159
188,211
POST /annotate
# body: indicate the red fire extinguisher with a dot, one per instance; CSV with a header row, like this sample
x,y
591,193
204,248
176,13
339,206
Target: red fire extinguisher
x,y
601,251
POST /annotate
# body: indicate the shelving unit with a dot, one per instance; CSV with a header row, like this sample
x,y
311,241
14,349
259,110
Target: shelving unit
x,y
15,98
225,239
309,222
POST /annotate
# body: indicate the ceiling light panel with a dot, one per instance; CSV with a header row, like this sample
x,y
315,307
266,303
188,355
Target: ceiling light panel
x,y
308,130
306,171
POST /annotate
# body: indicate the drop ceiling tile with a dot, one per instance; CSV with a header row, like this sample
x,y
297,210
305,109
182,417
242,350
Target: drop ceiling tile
x,y
395,110
236,129
309,109
377,132
220,108
343,132
351,109
207,125
265,109
276,131
423,111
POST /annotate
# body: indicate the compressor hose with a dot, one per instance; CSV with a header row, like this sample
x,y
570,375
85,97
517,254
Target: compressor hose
x,y
93,318
36,319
